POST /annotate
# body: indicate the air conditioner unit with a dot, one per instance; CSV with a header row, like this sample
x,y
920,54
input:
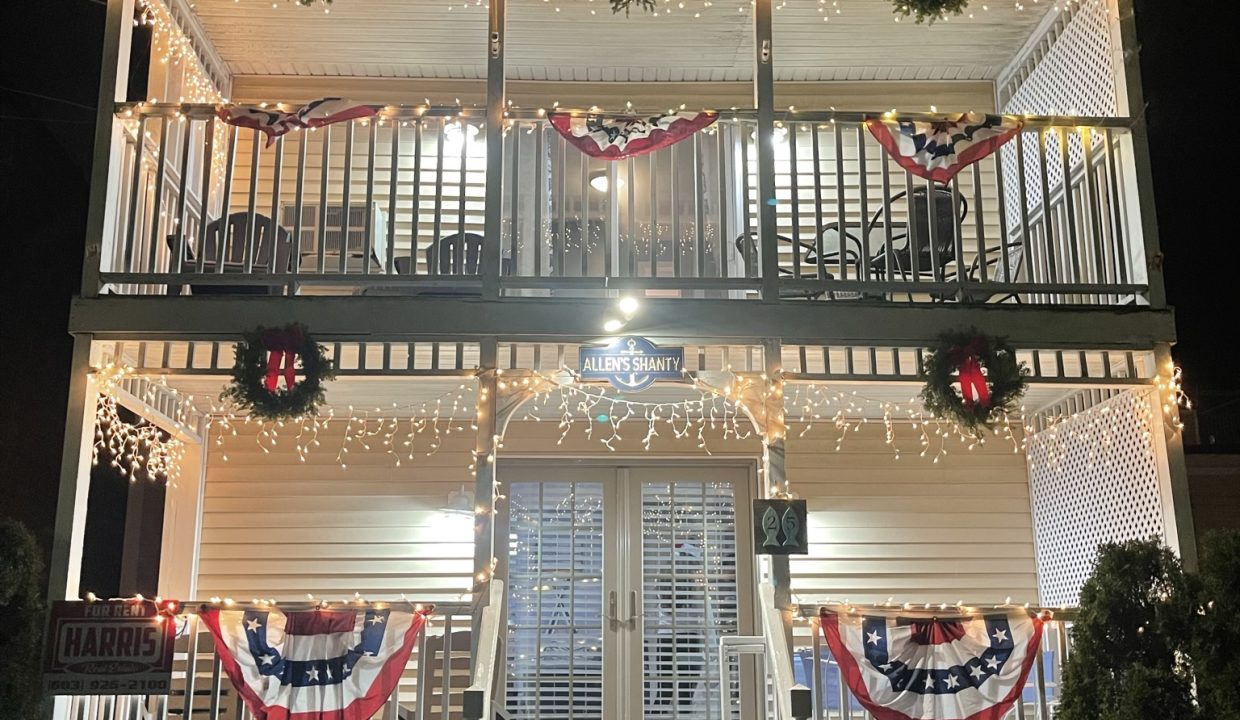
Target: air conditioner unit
x,y
355,228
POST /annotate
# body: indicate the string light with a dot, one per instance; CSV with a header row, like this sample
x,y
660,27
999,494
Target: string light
x,y
138,449
173,48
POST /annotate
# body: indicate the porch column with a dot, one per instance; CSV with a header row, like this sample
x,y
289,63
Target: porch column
x,y
764,100
492,251
66,565
105,174
484,463
1137,174
774,472
1178,518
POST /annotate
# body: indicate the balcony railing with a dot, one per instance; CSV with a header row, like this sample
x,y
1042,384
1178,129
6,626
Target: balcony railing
x,y
395,205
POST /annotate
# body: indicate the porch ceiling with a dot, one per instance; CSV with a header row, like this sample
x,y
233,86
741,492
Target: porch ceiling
x,y
562,40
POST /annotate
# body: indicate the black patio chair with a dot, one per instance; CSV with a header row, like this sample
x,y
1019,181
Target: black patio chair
x,y
226,238
747,246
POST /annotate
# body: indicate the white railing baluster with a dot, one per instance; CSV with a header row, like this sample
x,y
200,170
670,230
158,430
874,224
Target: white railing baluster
x,y
178,246
346,210
161,165
369,242
204,200
250,248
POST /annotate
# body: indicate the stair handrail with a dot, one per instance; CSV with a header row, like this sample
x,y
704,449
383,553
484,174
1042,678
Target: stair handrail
x,y
478,695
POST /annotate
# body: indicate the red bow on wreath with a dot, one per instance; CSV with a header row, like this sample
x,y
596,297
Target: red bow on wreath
x,y
973,386
282,346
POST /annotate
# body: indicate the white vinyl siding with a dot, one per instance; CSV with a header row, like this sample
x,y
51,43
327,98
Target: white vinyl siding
x,y
908,529
912,529
274,527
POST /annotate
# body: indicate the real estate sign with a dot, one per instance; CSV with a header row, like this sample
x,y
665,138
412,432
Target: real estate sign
x,y
110,647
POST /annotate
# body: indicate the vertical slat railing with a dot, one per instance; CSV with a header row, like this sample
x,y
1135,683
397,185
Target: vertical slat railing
x,y
1065,242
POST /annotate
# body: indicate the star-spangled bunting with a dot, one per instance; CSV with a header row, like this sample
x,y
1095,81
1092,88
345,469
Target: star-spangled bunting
x,y
938,150
273,122
315,664
921,667
618,137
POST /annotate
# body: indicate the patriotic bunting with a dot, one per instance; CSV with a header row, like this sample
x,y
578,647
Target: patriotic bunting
x,y
274,122
927,668
616,138
314,664
938,150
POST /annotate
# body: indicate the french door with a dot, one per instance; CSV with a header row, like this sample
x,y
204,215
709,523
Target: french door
x,y
621,582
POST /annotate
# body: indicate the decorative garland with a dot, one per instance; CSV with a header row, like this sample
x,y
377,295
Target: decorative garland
x,y
312,3
627,6
923,10
263,358
991,380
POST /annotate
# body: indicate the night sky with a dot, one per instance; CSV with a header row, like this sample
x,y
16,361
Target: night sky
x,y
50,69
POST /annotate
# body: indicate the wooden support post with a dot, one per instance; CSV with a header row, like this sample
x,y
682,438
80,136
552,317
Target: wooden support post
x,y
764,100
492,250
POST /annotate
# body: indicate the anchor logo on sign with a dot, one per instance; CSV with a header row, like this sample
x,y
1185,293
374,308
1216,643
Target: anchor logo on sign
x,y
636,381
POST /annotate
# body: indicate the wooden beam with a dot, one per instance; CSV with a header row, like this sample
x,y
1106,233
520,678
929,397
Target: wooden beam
x,y
581,320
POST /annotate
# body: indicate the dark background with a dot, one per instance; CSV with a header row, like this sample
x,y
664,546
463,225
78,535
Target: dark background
x,y
49,76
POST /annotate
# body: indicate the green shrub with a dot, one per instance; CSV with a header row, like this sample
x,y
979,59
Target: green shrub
x,y
1131,638
1216,635
21,623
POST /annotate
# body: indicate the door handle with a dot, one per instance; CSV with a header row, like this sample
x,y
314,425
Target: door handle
x,y
611,610
634,613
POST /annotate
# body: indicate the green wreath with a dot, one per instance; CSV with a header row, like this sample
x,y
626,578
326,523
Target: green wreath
x,y
264,357
923,10
972,379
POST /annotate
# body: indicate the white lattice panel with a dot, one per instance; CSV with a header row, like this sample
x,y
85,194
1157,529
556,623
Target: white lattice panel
x,y
1093,478
1069,71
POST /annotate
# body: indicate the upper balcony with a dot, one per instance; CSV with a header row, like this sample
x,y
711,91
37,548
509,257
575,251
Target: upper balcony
x,y
400,204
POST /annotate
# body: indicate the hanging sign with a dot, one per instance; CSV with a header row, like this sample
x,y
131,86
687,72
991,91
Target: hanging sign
x,y
779,527
110,647
631,364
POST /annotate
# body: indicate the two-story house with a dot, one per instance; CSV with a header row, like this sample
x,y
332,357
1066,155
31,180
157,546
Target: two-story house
x,y
454,252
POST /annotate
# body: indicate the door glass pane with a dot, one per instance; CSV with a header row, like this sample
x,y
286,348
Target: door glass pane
x,y
689,593
555,609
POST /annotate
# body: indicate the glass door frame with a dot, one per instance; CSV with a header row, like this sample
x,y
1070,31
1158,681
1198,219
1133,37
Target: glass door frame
x,y
623,657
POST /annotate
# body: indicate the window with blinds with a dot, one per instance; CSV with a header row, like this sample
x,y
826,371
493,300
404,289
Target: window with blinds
x,y
555,612
689,596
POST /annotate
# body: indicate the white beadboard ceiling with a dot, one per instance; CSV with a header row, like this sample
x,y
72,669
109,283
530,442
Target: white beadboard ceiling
x,y
561,40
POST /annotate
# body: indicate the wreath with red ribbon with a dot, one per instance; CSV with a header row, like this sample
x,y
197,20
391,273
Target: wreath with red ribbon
x,y
268,356
973,379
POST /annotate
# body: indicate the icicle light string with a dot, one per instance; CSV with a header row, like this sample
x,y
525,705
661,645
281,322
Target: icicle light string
x,y
394,430
138,448
1047,440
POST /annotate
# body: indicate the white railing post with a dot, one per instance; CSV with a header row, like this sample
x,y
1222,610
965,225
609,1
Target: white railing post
x,y
764,100
486,660
778,650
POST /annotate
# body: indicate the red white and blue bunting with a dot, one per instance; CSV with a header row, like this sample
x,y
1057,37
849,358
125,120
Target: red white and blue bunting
x,y
616,138
922,667
940,149
273,122
337,664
